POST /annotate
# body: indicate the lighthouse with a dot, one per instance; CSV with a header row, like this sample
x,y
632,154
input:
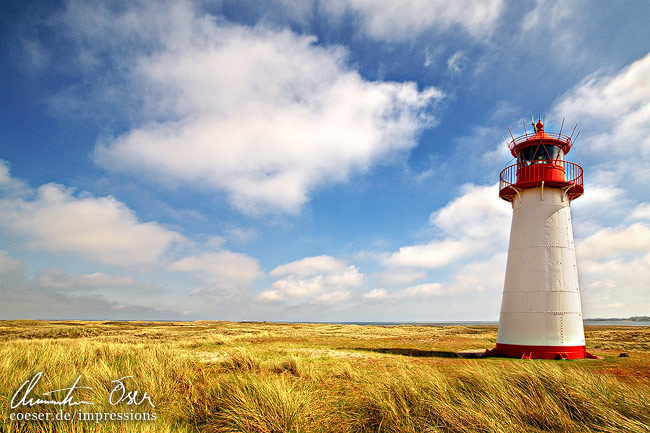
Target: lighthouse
x,y
541,312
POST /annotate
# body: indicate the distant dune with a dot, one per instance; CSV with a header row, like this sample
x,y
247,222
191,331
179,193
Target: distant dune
x,y
618,319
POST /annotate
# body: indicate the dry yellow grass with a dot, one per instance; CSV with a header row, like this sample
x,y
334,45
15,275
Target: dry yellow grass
x,y
267,377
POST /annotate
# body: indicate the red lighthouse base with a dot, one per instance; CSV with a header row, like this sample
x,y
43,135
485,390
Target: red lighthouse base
x,y
540,352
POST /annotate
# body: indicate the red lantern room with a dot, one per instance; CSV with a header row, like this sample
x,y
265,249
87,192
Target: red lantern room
x,y
540,162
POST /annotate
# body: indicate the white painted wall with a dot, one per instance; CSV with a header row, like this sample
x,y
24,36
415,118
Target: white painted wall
x,y
541,296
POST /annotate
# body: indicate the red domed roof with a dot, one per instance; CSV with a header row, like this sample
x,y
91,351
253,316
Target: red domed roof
x,y
540,135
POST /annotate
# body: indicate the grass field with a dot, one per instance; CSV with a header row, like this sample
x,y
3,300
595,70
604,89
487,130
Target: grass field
x,y
266,377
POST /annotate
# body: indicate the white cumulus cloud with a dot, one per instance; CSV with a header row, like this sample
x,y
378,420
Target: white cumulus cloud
x,y
310,266
265,115
320,279
55,294
420,291
613,112
376,294
475,222
432,255
59,279
616,242
399,276
398,21
408,294
641,212
220,270
614,266
100,229
334,297
9,265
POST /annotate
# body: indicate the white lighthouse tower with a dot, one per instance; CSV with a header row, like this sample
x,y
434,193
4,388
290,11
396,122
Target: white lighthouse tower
x,y
541,313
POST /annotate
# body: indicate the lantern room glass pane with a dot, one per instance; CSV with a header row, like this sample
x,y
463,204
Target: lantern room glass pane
x,y
552,150
528,153
539,153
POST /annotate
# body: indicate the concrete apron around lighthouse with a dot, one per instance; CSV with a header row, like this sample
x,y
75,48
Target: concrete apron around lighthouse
x,y
541,313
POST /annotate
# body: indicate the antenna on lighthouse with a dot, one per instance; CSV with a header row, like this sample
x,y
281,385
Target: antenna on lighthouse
x,y
561,126
576,148
505,141
513,138
525,132
574,130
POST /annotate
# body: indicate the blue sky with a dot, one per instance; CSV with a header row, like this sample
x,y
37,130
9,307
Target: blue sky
x,y
317,161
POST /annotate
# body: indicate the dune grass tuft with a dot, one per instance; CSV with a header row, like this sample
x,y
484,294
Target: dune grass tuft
x,y
288,365
533,397
261,404
241,360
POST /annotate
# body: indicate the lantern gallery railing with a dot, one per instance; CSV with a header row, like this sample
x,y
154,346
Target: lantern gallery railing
x,y
553,135
530,175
